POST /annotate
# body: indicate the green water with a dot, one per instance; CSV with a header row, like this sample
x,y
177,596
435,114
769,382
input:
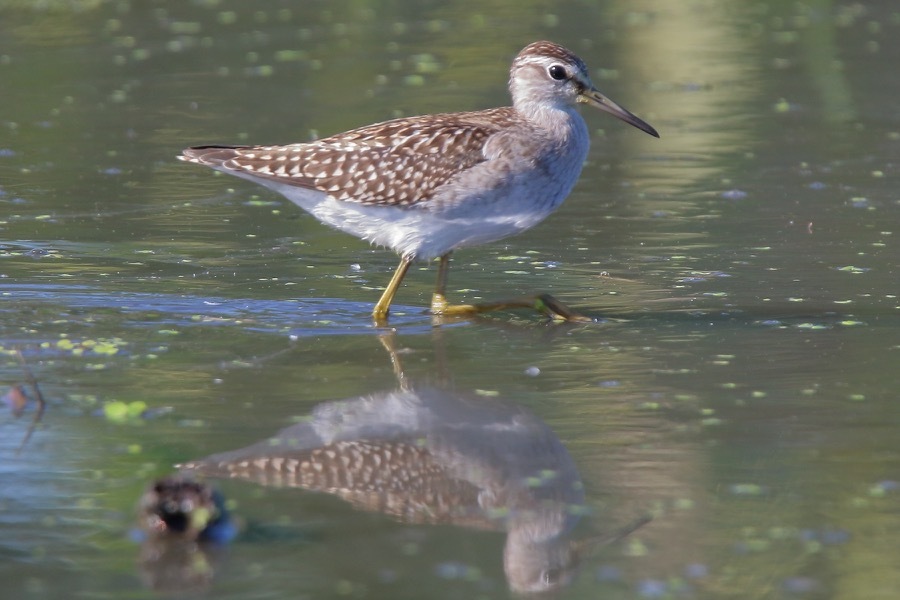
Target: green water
x,y
740,385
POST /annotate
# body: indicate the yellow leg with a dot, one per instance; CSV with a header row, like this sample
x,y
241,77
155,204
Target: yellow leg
x,y
543,303
380,312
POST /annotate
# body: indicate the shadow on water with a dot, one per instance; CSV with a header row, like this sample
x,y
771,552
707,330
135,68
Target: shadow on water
x,y
423,454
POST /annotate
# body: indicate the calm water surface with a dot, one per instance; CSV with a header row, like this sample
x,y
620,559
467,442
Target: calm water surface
x,y
740,385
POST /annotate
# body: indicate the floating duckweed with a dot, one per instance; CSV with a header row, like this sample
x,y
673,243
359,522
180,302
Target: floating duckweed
x,y
106,348
683,504
881,489
414,80
257,201
812,546
263,71
636,548
856,397
290,55
746,489
426,64
176,45
782,106
548,474
227,17
86,503
500,512
852,269
121,412
781,533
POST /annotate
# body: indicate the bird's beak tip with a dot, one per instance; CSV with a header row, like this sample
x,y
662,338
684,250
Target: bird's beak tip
x,y
598,100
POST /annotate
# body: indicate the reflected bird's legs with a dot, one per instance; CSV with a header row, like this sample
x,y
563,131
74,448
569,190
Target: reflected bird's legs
x,y
389,343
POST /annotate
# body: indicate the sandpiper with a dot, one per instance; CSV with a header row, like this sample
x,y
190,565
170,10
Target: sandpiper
x,y
428,185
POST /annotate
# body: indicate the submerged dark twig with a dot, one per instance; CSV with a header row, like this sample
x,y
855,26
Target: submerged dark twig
x,y
586,546
628,529
38,398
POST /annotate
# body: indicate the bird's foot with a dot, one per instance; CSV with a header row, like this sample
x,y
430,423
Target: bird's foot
x,y
556,310
545,304
440,307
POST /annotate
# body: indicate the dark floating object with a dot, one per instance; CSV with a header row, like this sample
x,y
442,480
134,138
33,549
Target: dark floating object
x,y
183,526
180,507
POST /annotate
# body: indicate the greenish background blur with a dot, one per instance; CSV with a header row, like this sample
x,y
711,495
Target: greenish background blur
x,y
741,387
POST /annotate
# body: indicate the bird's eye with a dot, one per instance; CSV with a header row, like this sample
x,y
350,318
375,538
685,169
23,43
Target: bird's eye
x,y
557,72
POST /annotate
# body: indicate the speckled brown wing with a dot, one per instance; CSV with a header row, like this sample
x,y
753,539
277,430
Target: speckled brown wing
x,y
395,163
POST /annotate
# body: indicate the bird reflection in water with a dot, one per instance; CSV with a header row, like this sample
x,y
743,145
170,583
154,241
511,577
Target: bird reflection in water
x,y
424,454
